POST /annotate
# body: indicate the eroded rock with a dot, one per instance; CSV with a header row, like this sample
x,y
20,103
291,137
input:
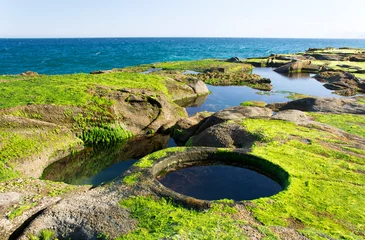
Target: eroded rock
x,y
235,114
226,135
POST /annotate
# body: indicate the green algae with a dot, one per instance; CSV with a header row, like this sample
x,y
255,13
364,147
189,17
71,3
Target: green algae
x,y
17,145
149,159
16,212
354,124
326,184
44,235
70,89
161,218
203,65
253,104
131,179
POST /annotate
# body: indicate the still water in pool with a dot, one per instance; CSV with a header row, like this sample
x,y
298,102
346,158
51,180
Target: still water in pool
x,y
220,181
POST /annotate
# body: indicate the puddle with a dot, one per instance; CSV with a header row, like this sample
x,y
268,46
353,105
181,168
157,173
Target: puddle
x,y
219,182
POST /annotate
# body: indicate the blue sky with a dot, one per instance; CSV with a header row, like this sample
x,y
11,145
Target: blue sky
x,y
188,18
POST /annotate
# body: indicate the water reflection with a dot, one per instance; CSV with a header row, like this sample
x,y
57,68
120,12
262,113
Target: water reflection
x,y
101,164
227,96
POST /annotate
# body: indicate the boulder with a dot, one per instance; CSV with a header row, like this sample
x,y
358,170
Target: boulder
x,y
235,114
295,116
225,135
187,127
198,86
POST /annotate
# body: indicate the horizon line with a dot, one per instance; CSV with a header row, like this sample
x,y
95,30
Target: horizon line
x,y
97,37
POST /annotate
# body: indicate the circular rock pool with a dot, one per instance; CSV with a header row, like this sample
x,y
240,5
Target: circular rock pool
x,y
208,174
215,182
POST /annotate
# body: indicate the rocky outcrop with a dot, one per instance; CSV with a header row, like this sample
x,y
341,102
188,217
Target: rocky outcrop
x,y
85,216
343,83
235,114
298,66
226,135
329,105
186,128
358,58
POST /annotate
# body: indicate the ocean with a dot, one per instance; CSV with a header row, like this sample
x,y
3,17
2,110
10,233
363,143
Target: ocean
x,y
63,56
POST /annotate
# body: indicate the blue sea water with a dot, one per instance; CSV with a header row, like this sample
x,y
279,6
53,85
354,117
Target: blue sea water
x,y
60,56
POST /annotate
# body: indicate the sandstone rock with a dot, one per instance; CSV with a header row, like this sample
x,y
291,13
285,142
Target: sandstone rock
x,y
227,135
187,127
198,86
9,198
295,116
235,114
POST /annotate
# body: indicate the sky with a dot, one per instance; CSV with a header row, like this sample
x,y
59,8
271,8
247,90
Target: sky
x,y
182,18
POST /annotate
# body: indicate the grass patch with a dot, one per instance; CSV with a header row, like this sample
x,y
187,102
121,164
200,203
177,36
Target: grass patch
x,y
354,124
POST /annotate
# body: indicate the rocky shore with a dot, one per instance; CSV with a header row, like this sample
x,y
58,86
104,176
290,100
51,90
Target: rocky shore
x,y
319,143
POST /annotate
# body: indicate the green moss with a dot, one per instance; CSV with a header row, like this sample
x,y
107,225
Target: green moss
x,y
19,210
159,219
189,143
149,159
295,96
131,179
361,100
70,89
224,150
326,184
202,65
18,143
353,124
105,135
44,235
253,104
